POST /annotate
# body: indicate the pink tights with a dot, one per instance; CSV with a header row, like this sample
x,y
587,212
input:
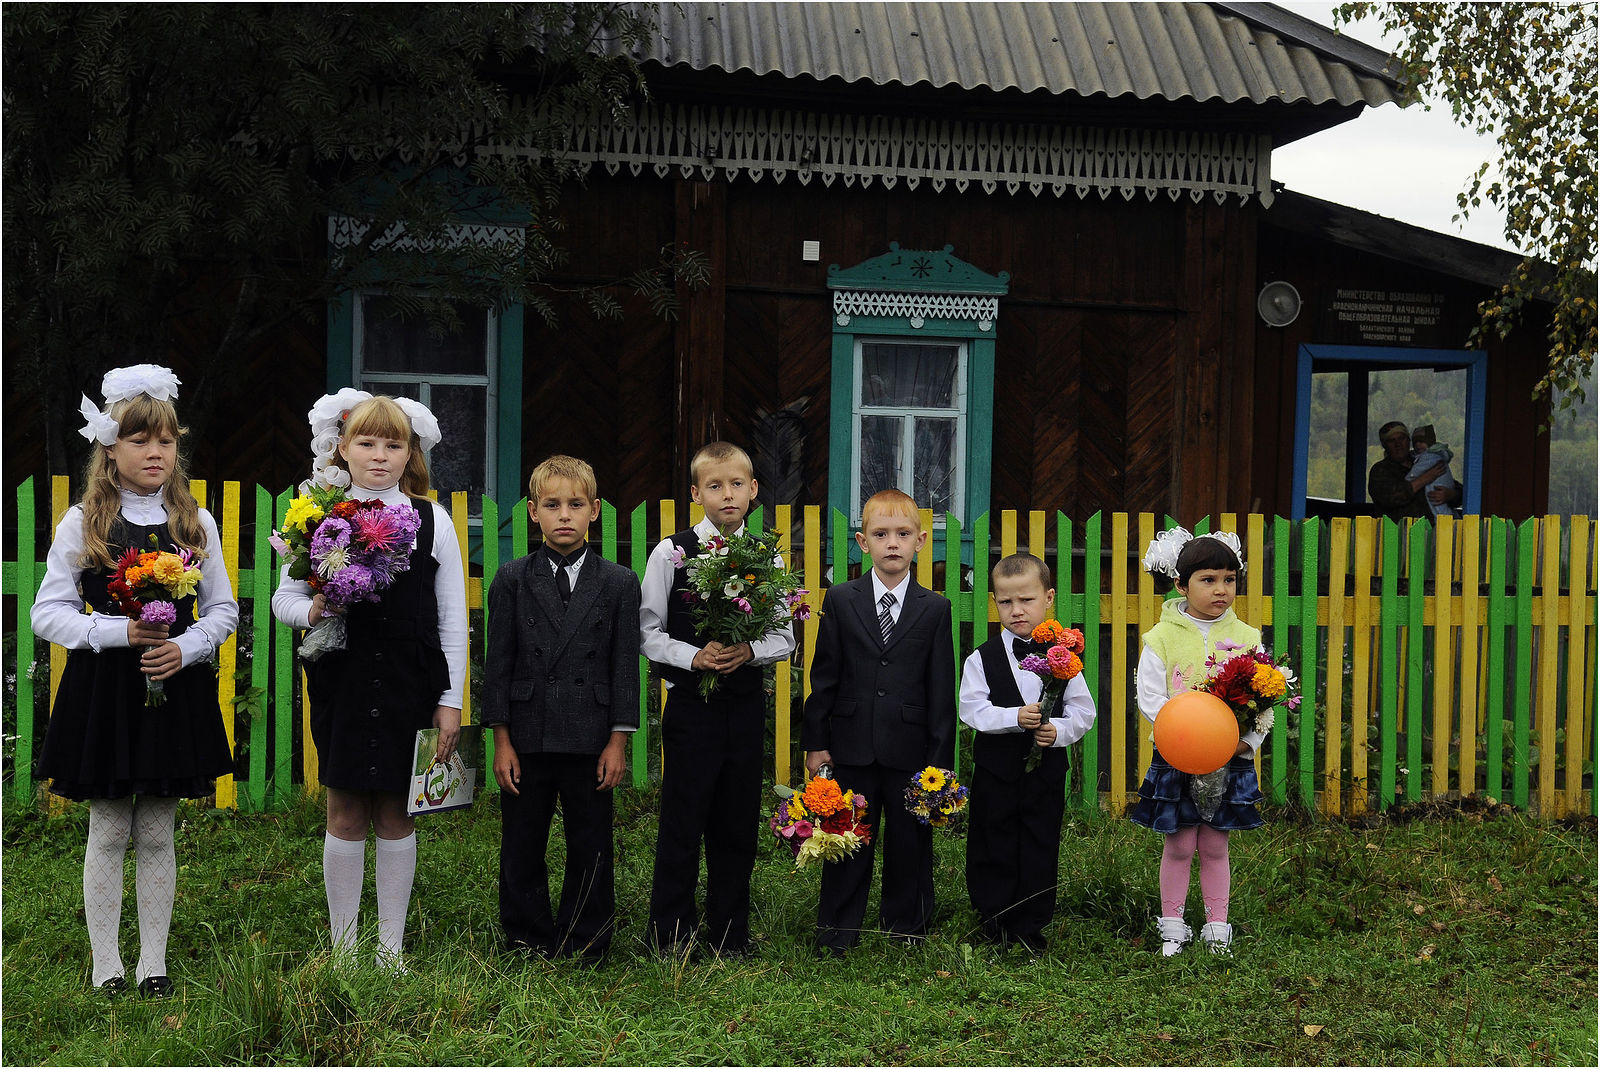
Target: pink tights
x,y
1180,847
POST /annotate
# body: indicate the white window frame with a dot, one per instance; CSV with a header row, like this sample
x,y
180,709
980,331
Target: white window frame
x,y
858,409
489,380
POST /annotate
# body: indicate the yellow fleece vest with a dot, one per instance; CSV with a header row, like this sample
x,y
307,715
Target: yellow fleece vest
x,y
1178,641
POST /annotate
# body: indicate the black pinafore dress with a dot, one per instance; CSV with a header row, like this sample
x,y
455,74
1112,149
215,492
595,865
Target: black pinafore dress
x,y
370,699
103,741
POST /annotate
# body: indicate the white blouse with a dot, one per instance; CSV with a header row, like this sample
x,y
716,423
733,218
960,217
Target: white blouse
x,y
58,611
291,602
1151,681
980,713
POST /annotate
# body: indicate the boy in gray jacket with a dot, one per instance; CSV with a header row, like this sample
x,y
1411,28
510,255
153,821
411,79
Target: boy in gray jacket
x,y
561,691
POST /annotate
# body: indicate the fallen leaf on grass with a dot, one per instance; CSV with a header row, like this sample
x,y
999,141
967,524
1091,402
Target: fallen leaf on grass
x,y
1437,926
1372,846
1425,954
1494,882
1418,910
731,1027
1165,1037
175,1021
942,973
1313,1029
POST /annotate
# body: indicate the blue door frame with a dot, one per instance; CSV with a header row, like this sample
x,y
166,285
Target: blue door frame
x,y
1331,357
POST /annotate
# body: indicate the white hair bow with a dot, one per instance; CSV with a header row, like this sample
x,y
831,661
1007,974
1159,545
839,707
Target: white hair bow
x,y
100,426
121,383
1161,558
330,411
422,421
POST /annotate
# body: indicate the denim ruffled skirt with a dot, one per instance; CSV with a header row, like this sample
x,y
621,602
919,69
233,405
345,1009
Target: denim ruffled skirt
x,y
1167,803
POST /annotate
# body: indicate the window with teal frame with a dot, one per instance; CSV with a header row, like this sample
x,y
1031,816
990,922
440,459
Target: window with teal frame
x,y
913,381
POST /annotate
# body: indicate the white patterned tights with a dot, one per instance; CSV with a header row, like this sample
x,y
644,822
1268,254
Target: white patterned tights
x,y
112,822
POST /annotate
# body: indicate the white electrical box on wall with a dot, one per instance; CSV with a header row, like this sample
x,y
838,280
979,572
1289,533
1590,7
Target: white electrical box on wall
x,y
811,251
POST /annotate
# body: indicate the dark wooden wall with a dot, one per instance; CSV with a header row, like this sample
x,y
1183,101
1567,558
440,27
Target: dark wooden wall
x,y
1516,477
1121,315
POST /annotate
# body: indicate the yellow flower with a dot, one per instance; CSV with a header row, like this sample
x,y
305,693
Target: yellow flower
x,y
184,583
931,779
302,513
797,809
167,569
1268,681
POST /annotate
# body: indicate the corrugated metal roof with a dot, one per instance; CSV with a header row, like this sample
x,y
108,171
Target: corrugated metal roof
x,y
1171,51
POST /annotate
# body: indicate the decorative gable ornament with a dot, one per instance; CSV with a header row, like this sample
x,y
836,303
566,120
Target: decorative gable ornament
x,y
917,286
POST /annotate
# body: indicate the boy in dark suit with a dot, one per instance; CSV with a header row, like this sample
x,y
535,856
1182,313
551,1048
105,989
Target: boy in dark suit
x,y
561,690
712,748
882,708
1014,821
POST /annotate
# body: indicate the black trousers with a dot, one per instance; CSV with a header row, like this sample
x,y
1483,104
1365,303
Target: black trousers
x,y
584,921
711,791
905,904
1013,847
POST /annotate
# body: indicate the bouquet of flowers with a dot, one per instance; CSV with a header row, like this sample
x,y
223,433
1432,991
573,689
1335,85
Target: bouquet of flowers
x,y
346,550
935,797
821,821
1250,683
1055,655
145,585
740,591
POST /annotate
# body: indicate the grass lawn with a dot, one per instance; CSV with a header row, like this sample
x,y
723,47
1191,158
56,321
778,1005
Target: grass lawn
x,y
1433,936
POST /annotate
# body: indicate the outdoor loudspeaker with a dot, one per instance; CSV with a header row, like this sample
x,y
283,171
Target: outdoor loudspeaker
x,y
1278,304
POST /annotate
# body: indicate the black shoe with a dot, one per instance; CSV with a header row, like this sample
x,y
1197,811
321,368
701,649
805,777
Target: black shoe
x,y
114,988
155,987
826,951
1033,944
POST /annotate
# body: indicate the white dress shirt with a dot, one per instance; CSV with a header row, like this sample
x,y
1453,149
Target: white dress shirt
x,y
291,602
1151,682
58,610
899,592
662,648
981,714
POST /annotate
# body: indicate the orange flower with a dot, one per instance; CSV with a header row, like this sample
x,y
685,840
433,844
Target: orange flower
x,y
1072,638
1047,633
822,797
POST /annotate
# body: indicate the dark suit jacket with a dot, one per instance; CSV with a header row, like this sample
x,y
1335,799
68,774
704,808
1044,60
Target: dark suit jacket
x,y
562,678
891,705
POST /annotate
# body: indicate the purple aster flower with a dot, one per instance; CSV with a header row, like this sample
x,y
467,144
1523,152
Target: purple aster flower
x,y
159,612
743,603
332,533
1034,663
349,585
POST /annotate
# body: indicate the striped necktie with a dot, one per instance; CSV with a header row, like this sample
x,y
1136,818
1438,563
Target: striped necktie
x,y
885,619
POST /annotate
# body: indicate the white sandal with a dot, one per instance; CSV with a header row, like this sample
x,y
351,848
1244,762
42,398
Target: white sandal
x,y
1175,935
1217,936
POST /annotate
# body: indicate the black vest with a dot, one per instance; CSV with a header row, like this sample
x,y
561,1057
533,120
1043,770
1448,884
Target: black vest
x,y
742,682
1005,754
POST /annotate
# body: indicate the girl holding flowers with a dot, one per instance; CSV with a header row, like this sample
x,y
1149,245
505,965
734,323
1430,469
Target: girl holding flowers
x,y
1194,813
402,661
130,759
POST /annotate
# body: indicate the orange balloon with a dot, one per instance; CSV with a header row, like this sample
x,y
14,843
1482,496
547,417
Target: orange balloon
x,y
1196,732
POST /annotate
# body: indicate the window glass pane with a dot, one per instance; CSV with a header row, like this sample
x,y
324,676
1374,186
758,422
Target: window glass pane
x,y
1330,431
881,462
392,344
458,461
915,376
1419,396
935,464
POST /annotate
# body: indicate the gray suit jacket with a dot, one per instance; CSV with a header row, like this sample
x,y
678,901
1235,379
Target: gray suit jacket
x,y
562,677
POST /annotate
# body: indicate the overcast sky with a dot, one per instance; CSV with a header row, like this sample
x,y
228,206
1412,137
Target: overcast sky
x,y
1406,164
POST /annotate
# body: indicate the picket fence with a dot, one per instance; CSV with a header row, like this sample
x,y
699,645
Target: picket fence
x,y
1438,660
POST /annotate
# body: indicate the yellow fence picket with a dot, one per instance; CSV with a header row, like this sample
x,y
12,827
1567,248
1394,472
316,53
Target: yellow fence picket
x,y
1119,663
1149,614
1468,691
1577,618
227,657
782,680
1444,536
1363,617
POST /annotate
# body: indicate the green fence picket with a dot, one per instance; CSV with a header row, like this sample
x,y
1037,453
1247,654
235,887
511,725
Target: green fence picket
x,y
952,593
27,585
1521,704
1389,606
1278,780
283,686
1089,612
1310,544
640,743
263,571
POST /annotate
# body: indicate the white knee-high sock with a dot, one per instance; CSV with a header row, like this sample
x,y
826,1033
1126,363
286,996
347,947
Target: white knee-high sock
x,y
344,870
396,869
155,880
110,821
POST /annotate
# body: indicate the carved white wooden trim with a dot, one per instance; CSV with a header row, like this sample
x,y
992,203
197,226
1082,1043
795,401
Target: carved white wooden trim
x,y
759,143
915,307
344,231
